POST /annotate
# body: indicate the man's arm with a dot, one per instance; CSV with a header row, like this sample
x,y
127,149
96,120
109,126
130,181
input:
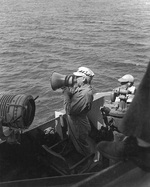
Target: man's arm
x,y
67,100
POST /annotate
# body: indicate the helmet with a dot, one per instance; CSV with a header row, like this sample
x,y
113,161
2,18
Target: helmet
x,y
83,71
127,78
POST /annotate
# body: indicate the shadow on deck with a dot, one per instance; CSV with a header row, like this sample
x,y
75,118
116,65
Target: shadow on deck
x,y
121,174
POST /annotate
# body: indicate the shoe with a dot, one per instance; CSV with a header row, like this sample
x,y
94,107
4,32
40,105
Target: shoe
x,y
119,150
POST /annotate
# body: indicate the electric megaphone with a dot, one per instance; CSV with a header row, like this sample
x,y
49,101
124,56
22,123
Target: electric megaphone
x,y
58,80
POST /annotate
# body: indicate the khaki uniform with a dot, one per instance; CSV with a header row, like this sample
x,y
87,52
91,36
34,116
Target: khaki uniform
x,y
77,104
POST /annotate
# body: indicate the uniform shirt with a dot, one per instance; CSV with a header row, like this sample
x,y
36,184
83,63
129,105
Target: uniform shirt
x,y
130,96
132,89
78,100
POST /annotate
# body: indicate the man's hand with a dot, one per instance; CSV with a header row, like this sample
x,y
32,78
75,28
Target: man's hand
x,y
67,94
66,91
117,91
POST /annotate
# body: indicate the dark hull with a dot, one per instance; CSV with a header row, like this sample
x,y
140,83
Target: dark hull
x,y
41,156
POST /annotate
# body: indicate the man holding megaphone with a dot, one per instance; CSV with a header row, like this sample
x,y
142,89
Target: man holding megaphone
x,y
78,97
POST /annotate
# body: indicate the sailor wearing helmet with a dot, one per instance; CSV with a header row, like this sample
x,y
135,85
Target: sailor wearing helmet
x,y
128,80
127,84
77,102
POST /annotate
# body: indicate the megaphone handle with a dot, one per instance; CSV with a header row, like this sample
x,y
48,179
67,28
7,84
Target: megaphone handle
x,y
67,80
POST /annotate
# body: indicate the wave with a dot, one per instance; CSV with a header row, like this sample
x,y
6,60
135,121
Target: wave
x,y
131,62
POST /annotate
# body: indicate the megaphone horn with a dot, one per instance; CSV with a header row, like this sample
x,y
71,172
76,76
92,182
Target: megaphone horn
x,y
58,80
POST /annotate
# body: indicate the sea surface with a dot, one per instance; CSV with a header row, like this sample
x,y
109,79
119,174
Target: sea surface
x,y
38,37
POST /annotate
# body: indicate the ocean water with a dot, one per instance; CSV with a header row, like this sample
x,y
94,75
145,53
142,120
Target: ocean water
x,y
38,37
